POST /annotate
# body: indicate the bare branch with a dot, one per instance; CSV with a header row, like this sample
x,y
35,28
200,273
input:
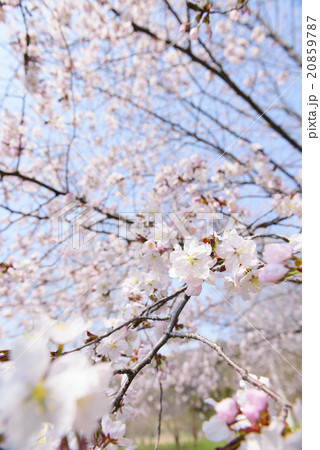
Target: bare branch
x,y
243,372
160,416
149,356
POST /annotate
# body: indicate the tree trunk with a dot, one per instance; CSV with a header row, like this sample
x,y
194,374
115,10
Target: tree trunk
x,y
176,438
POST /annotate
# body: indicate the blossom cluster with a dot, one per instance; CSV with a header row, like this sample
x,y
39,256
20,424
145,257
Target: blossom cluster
x,y
250,422
114,111
47,397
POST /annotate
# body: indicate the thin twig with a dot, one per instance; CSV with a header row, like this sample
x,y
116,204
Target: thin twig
x,y
160,416
113,330
243,372
162,301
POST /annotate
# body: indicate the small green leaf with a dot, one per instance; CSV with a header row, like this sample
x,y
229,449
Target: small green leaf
x,y
193,6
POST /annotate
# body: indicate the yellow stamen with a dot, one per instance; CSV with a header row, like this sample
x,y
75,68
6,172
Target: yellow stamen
x,y
38,393
191,259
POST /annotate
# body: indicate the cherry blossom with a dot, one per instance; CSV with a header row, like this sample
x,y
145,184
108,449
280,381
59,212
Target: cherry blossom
x,y
194,33
150,180
273,273
277,253
237,251
216,430
114,431
254,402
192,264
296,242
227,410
250,415
66,393
63,332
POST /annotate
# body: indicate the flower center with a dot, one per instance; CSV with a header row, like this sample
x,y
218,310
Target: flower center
x,y
191,259
239,251
230,288
38,393
255,284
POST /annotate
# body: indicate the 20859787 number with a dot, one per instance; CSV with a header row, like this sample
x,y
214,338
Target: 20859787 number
x,y
311,50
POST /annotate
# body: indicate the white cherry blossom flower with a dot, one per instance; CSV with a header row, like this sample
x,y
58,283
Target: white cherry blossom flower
x,y
237,251
296,242
192,264
216,430
40,391
114,430
249,285
64,332
271,438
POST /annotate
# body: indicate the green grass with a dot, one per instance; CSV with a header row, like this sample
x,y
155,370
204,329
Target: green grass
x,y
203,444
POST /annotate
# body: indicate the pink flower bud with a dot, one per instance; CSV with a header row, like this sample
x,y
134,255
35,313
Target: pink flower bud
x,y
272,273
143,351
257,401
257,398
183,28
227,410
277,253
194,34
277,197
251,412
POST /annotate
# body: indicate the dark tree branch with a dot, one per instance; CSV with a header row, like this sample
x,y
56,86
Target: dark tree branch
x,y
132,373
224,76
